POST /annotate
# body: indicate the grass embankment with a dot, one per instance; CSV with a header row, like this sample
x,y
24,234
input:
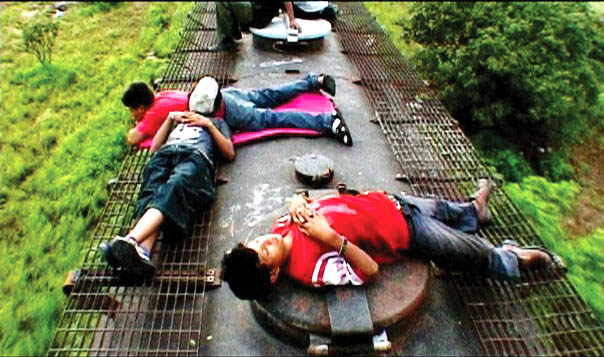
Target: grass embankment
x,y
568,215
62,136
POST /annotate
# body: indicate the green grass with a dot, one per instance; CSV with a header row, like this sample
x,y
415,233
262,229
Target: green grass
x,y
387,15
547,205
62,136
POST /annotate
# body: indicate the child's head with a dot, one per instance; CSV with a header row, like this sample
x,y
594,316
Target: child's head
x,y
247,278
138,98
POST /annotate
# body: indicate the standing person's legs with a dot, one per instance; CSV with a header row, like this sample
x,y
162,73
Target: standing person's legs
x,y
229,16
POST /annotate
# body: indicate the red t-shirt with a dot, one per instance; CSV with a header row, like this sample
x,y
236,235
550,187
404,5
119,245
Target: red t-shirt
x,y
370,220
164,103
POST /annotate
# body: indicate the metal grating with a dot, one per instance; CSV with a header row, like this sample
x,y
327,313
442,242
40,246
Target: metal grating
x,y
540,315
107,314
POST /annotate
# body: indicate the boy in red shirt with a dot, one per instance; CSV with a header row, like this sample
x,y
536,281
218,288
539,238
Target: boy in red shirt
x,y
150,110
341,239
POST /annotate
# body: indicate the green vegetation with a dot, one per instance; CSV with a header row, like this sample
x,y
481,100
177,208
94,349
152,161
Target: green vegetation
x,y
62,136
504,66
568,215
39,37
548,205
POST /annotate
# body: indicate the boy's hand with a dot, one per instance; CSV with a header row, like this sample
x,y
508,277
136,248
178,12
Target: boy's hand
x,y
297,205
315,226
195,119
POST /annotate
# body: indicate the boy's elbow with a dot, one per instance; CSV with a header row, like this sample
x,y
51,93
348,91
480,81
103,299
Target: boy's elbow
x,y
231,156
229,153
373,271
135,137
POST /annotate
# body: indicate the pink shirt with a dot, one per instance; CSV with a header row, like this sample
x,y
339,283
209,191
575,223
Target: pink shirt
x,y
164,103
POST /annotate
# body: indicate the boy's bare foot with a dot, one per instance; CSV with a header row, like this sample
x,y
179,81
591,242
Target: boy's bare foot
x,y
529,258
481,200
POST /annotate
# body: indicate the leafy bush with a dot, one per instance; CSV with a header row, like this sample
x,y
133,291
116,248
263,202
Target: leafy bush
x,y
39,35
547,205
500,154
530,71
95,7
554,166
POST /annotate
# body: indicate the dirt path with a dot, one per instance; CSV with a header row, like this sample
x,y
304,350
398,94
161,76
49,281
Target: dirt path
x,y
589,173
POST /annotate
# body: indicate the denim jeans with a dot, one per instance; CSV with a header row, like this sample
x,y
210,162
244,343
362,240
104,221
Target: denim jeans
x,y
179,182
251,110
443,232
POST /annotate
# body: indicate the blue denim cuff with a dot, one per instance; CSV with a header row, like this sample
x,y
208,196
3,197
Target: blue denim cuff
x,y
503,264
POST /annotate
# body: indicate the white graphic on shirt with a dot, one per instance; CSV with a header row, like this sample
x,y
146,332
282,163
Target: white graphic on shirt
x,y
332,269
184,133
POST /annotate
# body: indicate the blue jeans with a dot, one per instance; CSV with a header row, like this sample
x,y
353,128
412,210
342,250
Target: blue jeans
x,y
251,110
179,182
443,232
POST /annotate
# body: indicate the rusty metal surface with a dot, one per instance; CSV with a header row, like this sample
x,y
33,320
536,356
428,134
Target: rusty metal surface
x,y
108,316
293,312
542,314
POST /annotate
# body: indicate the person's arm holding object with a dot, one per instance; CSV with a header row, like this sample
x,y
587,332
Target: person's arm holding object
x,y
289,9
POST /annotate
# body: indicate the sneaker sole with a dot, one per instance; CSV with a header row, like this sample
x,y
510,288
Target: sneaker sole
x,y
342,125
127,257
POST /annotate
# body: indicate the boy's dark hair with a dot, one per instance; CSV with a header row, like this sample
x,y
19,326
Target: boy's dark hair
x,y
246,277
137,94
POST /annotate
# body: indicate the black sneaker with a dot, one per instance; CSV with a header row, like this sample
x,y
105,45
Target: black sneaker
x,y
107,254
340,129
132,257
329,85
329,13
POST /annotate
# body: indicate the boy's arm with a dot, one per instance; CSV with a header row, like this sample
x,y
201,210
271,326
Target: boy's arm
x,y
289,10
315,226
162,134
225,146
135,136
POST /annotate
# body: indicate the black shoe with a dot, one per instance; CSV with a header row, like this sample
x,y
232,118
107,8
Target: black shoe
x,y
133,258
340,129
329,85
226,45
329,13
107,254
